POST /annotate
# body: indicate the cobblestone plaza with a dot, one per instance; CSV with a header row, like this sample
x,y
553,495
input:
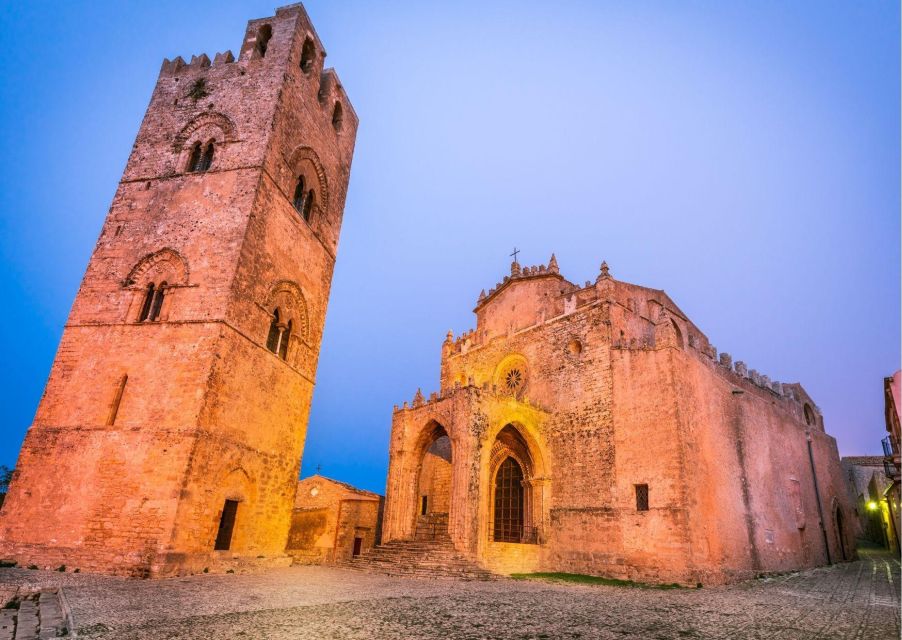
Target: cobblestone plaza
x,y
857,600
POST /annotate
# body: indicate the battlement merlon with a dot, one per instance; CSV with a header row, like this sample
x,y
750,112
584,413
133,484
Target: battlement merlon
x,y
289,26
287,21
240,95
288,33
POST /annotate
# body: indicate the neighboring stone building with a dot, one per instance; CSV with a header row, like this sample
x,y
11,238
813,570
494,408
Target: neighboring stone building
x,y
170,433
332,521
594,429
867,483
892,451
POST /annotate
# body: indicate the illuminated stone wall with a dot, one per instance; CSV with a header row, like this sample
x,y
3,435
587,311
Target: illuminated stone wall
x,y
130,474
597,392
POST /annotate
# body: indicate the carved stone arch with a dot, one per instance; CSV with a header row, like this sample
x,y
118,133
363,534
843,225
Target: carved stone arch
x,y
535,450
208,119
433,465
501,452
429,432
164,265
240,470
288,297
304,161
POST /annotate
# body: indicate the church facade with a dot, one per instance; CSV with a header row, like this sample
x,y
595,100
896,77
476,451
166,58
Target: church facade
x,y
170,433
594,429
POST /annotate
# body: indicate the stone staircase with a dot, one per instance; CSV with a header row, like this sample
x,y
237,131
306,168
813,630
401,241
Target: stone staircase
x,y
431,554
35,616
431,526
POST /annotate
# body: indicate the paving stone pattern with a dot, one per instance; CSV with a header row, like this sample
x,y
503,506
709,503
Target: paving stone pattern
x,y
857,601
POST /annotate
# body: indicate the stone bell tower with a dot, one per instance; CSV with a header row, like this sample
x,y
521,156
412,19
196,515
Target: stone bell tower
x,y
170,433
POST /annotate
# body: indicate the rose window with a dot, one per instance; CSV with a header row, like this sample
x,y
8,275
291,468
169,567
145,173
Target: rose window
x,y
513,380
512,376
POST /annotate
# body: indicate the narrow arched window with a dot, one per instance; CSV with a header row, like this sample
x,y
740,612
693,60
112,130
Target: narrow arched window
x,y
263,36
809,414
299,195
206,160
157,302
148,302
272,339
307,54
308,206
195,157
283,342
337,116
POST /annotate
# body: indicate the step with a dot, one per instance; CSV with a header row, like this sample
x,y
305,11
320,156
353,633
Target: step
x,y
417,558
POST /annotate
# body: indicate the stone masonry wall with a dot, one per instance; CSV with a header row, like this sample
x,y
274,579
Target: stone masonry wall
x,y
207,413
614,391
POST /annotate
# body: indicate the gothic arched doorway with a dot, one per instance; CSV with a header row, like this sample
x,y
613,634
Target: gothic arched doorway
x,y
515,508
508,521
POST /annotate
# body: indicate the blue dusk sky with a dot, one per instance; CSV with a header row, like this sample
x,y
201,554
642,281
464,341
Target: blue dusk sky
x,y
742,156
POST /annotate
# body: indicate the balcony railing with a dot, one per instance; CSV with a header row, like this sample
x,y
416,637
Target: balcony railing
x,y
891,451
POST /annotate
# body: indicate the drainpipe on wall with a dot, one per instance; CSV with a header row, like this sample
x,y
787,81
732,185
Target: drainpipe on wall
x,y
817,496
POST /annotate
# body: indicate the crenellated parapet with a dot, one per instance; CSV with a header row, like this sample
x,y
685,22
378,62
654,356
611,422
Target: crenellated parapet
x,y
519,273
486,389
268,44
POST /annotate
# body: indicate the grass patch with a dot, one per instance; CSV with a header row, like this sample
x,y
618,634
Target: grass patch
x,y
580,578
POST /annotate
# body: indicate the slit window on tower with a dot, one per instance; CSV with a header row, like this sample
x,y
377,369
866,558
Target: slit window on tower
x,y
307,54
263,36
337,116
148,303
641,497
117,400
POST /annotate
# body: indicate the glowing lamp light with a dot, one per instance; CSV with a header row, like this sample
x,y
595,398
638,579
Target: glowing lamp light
x,y
872,506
